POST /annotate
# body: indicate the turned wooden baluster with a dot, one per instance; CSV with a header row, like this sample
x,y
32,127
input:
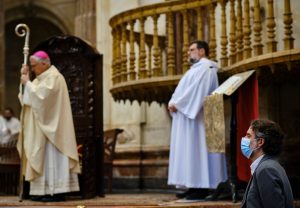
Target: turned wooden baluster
x,y
247,30
199,23
156,51
257,47
132,73
271,43
288,20
171,48
124,54
224,41
239,31
161,58
212,30
118,54
149,72
142,57
232,37
185,48
114,56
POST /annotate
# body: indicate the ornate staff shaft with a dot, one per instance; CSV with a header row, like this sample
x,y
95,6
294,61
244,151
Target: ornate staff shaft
x,y
25,31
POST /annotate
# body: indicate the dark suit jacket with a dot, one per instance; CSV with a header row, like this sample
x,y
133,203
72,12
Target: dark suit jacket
x,y
269,186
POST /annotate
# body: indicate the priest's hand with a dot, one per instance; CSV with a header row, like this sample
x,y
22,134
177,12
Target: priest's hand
x,y
172,108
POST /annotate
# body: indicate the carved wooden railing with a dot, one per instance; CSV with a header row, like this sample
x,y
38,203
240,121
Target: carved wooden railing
x,y
148,66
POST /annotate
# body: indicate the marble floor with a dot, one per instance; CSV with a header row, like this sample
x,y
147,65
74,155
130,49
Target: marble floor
x,y
130,200
140,200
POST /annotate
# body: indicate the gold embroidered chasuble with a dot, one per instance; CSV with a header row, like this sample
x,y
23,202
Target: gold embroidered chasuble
x,y
46,117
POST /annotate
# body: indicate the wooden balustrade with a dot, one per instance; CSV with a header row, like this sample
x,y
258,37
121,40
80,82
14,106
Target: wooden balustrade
x,y
132,72
124,55
257,27
232,34
288,20
212,29
171,47
247,30
271,43
224,41
239,31
143,59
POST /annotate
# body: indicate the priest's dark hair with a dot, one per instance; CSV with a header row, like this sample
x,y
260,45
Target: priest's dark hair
x,y
271,133
10,110
201,44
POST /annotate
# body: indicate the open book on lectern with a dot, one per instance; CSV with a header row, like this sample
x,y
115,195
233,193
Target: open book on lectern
x,y
233,83
213,108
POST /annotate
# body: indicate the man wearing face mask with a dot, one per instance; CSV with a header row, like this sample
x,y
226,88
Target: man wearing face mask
x,y
191,166
9,126
269,185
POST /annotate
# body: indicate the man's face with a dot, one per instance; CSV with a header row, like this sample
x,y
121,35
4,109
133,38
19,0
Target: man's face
x,y
250,135
37,67
255,143
7,115
195,54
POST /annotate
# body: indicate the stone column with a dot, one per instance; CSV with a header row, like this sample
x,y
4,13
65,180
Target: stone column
x,y
85,21
2,57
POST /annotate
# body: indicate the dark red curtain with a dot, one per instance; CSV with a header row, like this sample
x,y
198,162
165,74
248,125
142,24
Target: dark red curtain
x,y
247,110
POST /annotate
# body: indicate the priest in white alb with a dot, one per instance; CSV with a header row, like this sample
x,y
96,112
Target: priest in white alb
x,y
9,128
191,166
47,144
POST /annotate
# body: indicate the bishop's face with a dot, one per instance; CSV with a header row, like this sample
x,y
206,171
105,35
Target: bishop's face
x,y
195,54
37,67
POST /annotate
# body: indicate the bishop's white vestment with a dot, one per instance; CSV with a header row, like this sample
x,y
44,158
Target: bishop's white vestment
x,y
50,159
190,163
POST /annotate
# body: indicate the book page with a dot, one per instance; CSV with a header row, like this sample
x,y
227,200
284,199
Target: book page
x,y
233,83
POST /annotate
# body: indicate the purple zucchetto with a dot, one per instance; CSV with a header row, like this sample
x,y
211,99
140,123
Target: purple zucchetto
x,y
41,54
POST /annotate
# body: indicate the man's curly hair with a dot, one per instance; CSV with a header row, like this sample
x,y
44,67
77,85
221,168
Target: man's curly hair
x,y
271,133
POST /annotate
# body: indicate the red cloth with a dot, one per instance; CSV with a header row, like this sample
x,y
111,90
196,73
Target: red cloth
x,y
247,110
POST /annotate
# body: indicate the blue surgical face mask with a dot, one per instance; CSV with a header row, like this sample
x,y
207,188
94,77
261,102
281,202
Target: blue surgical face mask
x,y
245,147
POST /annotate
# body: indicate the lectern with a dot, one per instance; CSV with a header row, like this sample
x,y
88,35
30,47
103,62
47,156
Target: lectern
x,y
215,128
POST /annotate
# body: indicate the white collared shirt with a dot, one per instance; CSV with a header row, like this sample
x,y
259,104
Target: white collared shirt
x,y
254,165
